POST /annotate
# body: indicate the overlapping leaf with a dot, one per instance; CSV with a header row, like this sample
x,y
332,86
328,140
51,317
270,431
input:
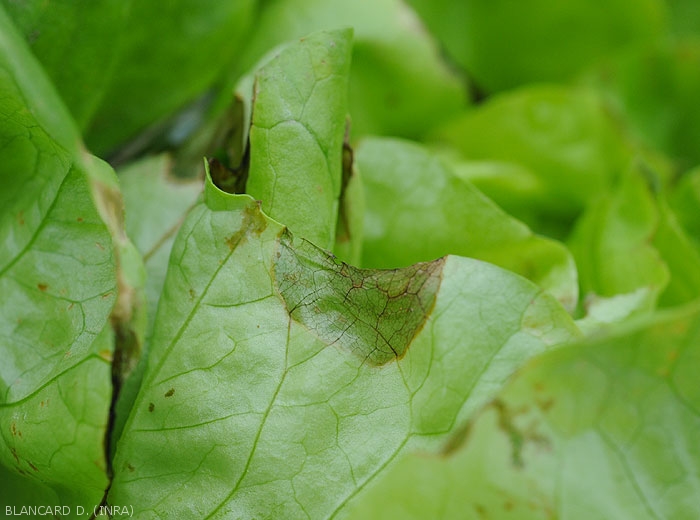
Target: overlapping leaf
x,y
165,62
282,381
418,209
629,243
399,84
564,140
296,135
156,204
70,325
77,43
58,287
604,429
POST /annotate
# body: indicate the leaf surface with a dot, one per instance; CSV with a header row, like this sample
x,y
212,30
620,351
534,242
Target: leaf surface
x,y
77,43
299,104
629,242
418,209
494,45
652,89
563,136
155,207
165,62
603,429
276,370
58,287
399,84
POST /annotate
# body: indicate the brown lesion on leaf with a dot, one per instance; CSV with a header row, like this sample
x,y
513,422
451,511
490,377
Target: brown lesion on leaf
x,y
373,313
42,287
457,440
170,392
545,404
254,223
506,417
151,407
343,232
505,424
518,436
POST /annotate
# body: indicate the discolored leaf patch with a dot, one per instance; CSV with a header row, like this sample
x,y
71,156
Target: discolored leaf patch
x,y
374,313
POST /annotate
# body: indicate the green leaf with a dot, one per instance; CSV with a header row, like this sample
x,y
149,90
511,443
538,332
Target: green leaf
x,y
20,491
72,328
77,43
298,109
398,85
654,92
563,136
682,258
629,242
685,202
418,209
684,17
276,370
155,207
58,282
613,244
505,44
165,62
604,429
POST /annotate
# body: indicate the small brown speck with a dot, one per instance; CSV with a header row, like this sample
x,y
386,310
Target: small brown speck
x,y
151,407
170,392
42,286
80,219
130,467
